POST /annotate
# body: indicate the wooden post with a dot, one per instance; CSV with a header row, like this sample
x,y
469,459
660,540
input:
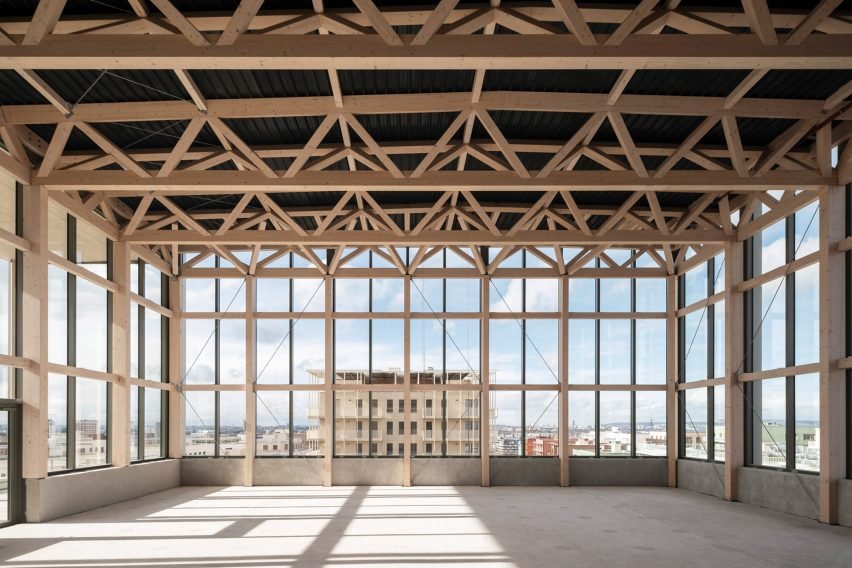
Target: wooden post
x,y
671,384
564,422
832,339
406,450
328,391
251,371
176,406
34,338
485,393
734,397
120,424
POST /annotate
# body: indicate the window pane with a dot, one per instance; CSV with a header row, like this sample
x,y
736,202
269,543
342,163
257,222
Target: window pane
x,y
507,295
273,351
581,423
807,422
199,295
308,417
352,295
273,425
614,352
506,434
200,423
232,353
463,295
695,423
504,358
581,295
6,303
301,261
463,411
134,423
153,345
651,423
695,283
232,423
514,260
351,350
770,430
695,344
427,295
199,351
232,295
91,425
153,423
388,295
453,260
542,351
719,423
807,230
615,294
462,356
91,325
134,340
134,272
773,331
308,351
719,339
57,324
91,248
650,294
429,408
427,351
651,353
57,229
542,423
614,437
718,275
308,295
388,351
807,314
542,295
7,379
773,251
153,284
581,351
57,422
352,423
273,295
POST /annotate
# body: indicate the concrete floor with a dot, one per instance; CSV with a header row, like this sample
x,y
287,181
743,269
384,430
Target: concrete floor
x,y
427,526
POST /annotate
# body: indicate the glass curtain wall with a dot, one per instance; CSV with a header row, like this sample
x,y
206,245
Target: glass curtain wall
x,y
617,359
782,314
524,350
79,337
701,339
148,360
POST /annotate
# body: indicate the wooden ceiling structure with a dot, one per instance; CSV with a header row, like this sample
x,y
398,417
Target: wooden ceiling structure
x,y
660,125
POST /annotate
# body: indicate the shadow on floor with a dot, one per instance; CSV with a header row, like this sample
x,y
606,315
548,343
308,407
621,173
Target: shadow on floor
x,y
426,526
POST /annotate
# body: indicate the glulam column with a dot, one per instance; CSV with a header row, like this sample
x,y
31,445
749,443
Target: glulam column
x,y
251,372
120,415
671,382
176,406
734,344
406,454
564,479
34,336
832,343
485,378
328,386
